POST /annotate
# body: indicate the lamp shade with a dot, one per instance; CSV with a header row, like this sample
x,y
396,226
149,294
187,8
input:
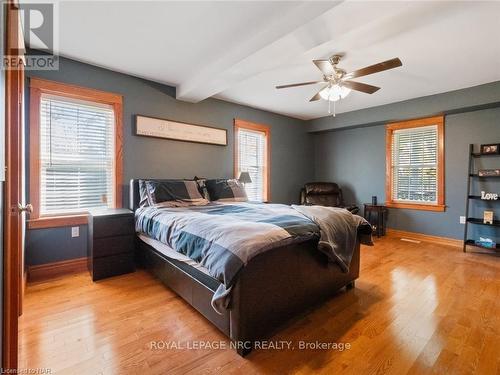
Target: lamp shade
x,y
334,93
245,178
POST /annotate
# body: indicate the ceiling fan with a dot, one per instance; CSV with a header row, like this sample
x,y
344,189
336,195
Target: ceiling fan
x,y
338,81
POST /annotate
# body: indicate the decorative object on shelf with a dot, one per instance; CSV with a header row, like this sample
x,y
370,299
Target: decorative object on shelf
x,y
488,172
245,178
179,131
493,148
488,217
486,242
489,196
374,200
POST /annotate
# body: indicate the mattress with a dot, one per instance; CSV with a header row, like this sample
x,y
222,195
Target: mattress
x,y
192,268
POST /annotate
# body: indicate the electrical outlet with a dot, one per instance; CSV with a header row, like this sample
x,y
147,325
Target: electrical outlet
x,y
75,231
462,219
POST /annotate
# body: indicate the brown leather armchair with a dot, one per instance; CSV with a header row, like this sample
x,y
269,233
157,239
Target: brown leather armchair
x,y
324,194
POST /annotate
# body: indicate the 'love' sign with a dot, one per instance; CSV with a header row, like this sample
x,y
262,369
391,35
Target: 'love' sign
x,y
489,196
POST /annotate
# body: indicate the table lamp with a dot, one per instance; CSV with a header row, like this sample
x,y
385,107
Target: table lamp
x,y
245,178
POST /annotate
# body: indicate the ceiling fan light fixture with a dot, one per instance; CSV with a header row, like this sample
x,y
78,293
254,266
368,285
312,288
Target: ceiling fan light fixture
x,y
334,93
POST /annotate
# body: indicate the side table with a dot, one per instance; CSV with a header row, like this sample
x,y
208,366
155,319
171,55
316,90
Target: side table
x,y
381,214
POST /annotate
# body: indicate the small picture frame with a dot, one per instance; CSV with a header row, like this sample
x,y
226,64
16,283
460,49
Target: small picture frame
x,y
493,148
488,217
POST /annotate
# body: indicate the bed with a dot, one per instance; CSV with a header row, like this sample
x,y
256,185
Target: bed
x,y
262,299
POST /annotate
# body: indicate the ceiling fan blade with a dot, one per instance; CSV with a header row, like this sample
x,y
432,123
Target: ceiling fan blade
x,y
325,66
317,96
298,84
358,86
380,67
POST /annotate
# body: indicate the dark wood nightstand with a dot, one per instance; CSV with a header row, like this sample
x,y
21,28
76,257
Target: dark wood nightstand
x,y
111,243
379,224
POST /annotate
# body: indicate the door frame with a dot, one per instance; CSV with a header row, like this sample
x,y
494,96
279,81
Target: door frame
x,y
14,87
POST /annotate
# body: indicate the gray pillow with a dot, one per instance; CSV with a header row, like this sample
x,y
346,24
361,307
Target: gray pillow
x,y
226,190
173,193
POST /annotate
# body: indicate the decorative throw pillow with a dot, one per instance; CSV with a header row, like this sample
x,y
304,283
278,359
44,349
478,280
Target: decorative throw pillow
x,y
230,190
143,194
174,193
202,186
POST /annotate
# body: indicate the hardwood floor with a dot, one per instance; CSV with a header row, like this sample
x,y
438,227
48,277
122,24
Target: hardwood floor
x,y
416,309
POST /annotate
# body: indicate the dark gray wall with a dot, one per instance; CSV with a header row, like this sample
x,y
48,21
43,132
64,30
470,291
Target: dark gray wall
x,y
457,101
291,145
55,244
355,158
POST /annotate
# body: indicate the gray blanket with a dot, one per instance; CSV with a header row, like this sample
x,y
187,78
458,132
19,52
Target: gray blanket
x,y
225,237
338,230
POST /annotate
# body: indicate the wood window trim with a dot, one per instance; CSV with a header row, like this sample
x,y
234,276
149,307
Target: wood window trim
x,y
390,128
58,221
244,124
38,87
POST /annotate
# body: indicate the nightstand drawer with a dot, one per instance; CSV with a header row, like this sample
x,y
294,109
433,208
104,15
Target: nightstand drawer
x,y
113,226
112,266
113,245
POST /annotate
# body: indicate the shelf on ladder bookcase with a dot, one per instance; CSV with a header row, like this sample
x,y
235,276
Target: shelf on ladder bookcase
x,y
478,176
477,155
478,197
473,243
473,220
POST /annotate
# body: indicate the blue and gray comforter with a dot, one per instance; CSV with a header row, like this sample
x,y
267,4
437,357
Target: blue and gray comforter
x,y
223,238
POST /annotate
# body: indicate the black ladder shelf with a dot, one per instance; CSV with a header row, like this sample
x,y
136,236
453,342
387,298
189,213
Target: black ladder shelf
x,y
472,176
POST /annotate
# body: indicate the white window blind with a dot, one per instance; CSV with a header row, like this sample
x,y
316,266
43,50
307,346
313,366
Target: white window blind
x,y
414,164
76,155
252,159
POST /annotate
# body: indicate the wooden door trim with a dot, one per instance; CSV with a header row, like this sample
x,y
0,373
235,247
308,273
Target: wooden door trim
x,y
14,81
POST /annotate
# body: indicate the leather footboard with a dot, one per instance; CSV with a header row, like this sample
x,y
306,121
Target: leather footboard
x,y
279,284
274,287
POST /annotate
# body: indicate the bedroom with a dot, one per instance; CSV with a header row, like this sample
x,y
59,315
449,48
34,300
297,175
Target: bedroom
x,y
168,208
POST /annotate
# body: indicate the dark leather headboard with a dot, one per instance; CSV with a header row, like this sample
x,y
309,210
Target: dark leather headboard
x,y
135,197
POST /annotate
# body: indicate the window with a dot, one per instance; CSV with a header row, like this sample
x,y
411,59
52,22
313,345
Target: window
x,y
252,156
76,155
75,152
415,164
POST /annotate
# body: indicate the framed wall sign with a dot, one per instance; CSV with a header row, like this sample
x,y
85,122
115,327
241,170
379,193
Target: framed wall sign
x,y
179,131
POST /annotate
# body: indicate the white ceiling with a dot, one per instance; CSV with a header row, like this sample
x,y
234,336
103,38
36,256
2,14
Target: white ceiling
x,y
239,50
